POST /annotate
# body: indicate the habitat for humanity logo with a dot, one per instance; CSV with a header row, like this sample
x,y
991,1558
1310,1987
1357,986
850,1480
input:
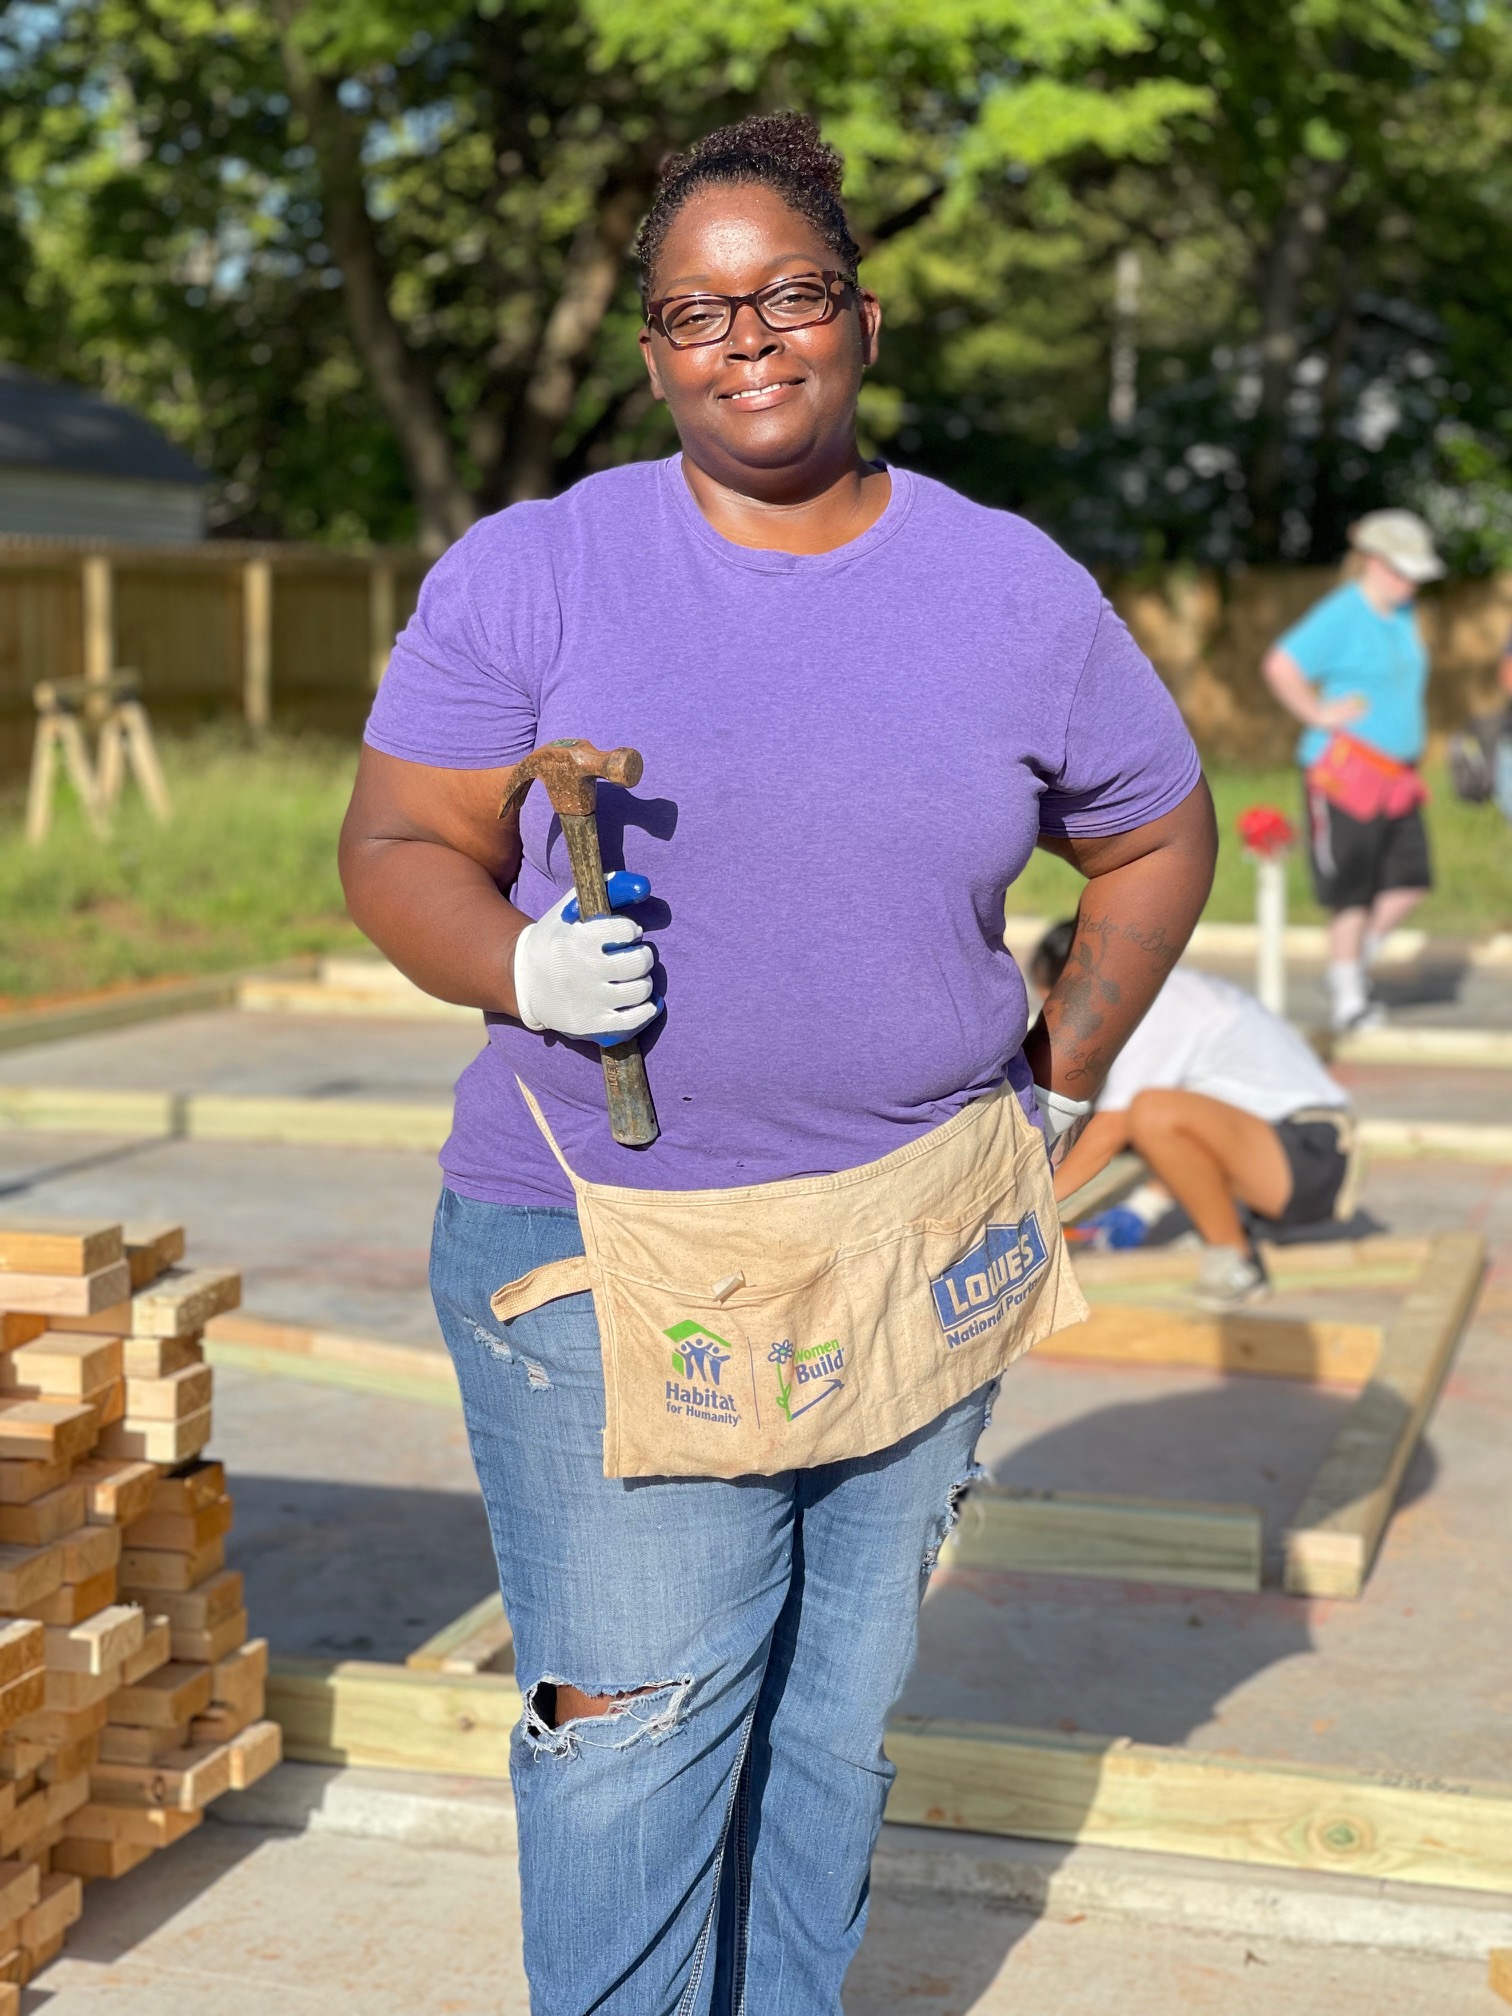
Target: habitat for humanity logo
x,y
995,1275
805,1375
698,1359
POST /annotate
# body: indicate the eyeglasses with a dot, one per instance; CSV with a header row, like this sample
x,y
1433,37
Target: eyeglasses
x,y
687,320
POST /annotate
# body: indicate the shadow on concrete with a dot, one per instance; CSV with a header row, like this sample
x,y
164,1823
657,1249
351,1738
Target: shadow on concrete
x,y
350,1571
1108,1658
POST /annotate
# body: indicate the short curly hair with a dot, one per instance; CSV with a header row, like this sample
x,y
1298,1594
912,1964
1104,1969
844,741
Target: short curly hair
x,y
783,151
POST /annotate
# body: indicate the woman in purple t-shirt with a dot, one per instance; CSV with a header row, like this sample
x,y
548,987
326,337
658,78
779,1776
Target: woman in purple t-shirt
x,y
862,702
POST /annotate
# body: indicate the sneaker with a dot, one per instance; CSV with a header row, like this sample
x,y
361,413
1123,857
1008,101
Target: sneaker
x,y
1371,1016
1228,1279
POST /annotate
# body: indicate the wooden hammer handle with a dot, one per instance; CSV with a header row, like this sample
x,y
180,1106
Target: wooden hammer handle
x,y
632,1116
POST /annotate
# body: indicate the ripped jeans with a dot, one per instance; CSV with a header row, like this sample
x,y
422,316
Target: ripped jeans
x,y
703,1849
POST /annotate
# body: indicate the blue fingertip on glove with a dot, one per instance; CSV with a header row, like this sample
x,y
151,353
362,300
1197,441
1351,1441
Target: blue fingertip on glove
x,y
624,889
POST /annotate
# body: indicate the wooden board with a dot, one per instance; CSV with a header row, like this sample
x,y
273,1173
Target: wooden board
x,y
1499,1974
118,1491
27,1573
174,1693
479,1641
1123,1174
150,1250
99,1644
184,1300
23,1479
120,1743
990,1779
170,1398
151,1826
155,1441
22,1697
253,1753
161,1568
156,1357
23,1648
213,1643
180,1532
1274,1347
193,1609
184,1780
190,1488
386,1716
89,1550
1132,1539
91,1859
1337,1261
72,1602
330,1358
47,1431
57,1246
61,1365
157,1650
66,1294
1333,1538
45,1518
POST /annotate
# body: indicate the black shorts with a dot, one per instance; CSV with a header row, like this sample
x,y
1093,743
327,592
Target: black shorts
x,y
1315,1155
1353,860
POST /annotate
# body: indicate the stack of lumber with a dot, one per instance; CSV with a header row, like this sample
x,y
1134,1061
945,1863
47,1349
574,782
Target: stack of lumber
x,y
130,1696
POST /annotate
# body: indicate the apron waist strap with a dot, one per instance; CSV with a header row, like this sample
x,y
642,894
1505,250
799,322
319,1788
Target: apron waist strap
x,y
543,1284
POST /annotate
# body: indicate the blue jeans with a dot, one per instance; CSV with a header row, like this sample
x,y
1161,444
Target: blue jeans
x,y
703,1849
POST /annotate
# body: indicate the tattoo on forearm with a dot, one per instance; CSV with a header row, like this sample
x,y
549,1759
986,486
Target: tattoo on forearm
x,y
1076,1013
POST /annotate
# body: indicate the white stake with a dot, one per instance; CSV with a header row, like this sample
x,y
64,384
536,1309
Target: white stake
x,y
1270,916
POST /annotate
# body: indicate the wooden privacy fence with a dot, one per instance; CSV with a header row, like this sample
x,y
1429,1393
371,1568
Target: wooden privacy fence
x,y
286,635
297,636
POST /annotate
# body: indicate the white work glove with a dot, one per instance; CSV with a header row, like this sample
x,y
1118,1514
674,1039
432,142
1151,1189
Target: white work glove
x,y
590,979
1063,1118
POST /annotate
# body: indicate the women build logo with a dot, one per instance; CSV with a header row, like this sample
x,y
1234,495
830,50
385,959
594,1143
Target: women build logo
x,y
994,1276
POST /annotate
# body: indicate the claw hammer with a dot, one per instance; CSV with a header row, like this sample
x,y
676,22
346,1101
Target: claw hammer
x,y
570,771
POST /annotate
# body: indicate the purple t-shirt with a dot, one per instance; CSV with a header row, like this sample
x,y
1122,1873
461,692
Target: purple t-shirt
x,y
849,758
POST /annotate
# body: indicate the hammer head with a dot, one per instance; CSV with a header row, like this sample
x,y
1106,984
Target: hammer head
x,y
570,771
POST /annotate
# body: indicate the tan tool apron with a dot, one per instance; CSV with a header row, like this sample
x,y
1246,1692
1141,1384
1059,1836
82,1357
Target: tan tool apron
x,y
783,1325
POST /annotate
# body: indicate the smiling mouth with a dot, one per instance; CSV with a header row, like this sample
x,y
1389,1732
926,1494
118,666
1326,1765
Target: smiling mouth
x,y
760,391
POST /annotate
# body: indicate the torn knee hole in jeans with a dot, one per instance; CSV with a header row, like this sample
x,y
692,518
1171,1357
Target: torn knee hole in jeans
x,y
975,1475
628,1715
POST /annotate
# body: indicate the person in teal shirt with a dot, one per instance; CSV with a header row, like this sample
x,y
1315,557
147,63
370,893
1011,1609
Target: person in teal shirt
x,y
1354,672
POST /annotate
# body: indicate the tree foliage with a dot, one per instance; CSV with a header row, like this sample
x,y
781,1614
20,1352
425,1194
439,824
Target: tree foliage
x,y
370,257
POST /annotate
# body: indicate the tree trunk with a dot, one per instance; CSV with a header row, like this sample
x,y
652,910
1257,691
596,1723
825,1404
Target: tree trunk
x,y
594,267
415,412
1300,234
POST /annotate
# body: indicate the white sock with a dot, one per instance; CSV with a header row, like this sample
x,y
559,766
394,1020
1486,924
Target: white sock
x,y
1346,988
1375,943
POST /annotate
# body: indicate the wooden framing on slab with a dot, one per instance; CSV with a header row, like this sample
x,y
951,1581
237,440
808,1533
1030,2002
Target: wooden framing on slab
x,y
1332,1542
983,1778
1127,1539
479,1641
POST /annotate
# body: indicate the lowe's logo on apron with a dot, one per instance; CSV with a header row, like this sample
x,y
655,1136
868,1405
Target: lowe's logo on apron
x,y
995,1275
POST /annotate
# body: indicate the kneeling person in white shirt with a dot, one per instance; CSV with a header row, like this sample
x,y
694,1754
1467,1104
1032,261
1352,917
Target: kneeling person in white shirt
x,y
1227,1106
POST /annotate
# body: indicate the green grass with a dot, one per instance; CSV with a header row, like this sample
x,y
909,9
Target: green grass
x,y
1472,861
246,871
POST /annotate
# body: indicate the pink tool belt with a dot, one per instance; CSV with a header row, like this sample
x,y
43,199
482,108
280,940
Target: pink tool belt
x,y
1364,782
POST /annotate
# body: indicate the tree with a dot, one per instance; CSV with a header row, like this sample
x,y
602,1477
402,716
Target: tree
x,y
473,175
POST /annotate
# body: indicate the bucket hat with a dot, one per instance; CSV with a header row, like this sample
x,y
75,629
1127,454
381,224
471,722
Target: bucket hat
x,y
1400,538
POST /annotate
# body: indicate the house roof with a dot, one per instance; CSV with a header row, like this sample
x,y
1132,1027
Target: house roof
x,y
44,425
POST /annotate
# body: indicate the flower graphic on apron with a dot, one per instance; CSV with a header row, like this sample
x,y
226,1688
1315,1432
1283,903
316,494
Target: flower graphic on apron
x,y
815,1364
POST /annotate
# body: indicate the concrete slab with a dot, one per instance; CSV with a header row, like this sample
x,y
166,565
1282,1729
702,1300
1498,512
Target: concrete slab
x,y
358,1521
337,1238
223,1050
243,1919
1037,1878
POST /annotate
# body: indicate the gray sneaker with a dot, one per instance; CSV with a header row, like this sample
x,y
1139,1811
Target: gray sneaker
x,y
1228,1279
